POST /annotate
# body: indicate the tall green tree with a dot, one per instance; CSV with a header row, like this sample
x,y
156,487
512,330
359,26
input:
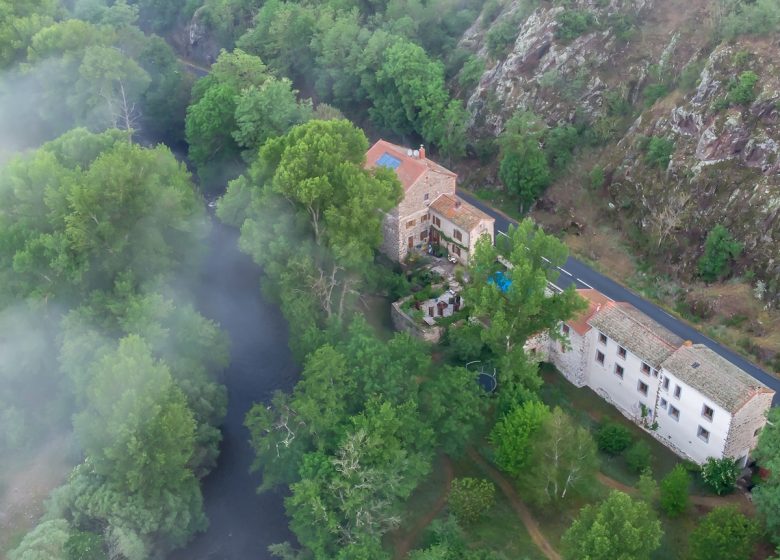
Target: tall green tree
x,y
562,459
525,308
720,250
524,169
127,212
767,495
511,436
724,534
619,528
674,491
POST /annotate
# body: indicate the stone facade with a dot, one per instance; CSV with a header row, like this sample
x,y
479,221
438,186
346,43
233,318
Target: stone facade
x,y
403,322
746,425
408,226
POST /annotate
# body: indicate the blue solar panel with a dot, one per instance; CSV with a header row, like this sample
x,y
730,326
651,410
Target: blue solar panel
x,y
388,161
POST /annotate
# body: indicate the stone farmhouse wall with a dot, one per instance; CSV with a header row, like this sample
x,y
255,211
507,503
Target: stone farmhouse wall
x,y
403,322
413,207
742,437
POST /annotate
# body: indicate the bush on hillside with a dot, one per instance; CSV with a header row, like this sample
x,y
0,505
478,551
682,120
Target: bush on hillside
x,y
720,474
638,456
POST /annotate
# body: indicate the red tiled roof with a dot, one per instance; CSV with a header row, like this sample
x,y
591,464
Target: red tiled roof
x,y
410,169
595,300
459,212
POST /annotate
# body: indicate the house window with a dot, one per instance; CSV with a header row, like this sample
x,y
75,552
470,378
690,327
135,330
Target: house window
x,y
424,235
425,197
619,371
565,329
703,434
663,403
424,218
602,338
457,235
436,221
456,249
410,223
621,352
600,357
655,373
666,384
707,412
674,413
642,388
677,391
645,369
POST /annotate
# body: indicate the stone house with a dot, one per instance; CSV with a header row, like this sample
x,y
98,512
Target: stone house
x,y
430,208
689,398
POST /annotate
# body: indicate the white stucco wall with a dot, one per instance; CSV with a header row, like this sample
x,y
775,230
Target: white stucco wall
x,y
623,393
683,433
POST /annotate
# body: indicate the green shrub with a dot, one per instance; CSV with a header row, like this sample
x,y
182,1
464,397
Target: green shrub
x,y
689,77
638,456
674,491
559,145
471,72
659,151
613,438
573,23
597,177
743,90
490,12
654,92
501,36
724,534
720,249
720,474
755,18
470,498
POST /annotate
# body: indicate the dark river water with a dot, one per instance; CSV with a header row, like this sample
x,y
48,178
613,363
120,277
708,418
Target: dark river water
x,y
242,523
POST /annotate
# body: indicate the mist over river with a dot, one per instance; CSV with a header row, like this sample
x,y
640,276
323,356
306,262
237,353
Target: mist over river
x,y
242,523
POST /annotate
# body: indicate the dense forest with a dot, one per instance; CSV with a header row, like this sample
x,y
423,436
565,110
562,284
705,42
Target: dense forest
x,y
113,134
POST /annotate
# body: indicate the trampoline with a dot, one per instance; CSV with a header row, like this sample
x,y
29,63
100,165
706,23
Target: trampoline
x,y
485,375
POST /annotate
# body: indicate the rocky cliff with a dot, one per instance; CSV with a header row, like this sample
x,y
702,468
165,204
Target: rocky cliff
x,y
724,166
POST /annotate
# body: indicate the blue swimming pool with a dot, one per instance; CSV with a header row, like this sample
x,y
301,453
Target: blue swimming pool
x,y
500,280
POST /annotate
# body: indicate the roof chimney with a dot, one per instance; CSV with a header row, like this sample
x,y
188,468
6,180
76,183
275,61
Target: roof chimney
x,y
422,151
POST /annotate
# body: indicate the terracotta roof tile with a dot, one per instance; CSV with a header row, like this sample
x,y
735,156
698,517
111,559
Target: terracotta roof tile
x,y
409,168
459,212
595,300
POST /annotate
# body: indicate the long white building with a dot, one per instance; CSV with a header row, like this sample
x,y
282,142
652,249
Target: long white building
x,y
688,397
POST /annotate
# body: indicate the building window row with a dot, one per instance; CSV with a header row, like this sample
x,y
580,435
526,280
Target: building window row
x,y
642,387
674,412
410,223
707,412
602,338
424,218
621,352
436,221
619,371
703,434
457,235
600,357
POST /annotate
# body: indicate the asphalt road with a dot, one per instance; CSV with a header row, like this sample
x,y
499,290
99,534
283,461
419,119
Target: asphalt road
x,y
582,276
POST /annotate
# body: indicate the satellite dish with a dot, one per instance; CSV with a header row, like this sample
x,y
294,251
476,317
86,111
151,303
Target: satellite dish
x,y
409,152
416,153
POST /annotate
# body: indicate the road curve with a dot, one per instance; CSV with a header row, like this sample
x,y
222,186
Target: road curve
x,y
582,276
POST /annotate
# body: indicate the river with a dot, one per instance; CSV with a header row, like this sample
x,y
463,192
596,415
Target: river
x,y
242,523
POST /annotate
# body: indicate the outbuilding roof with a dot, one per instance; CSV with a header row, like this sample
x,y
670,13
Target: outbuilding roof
x,y
595,300
408,168
459,212
636,332
713,376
